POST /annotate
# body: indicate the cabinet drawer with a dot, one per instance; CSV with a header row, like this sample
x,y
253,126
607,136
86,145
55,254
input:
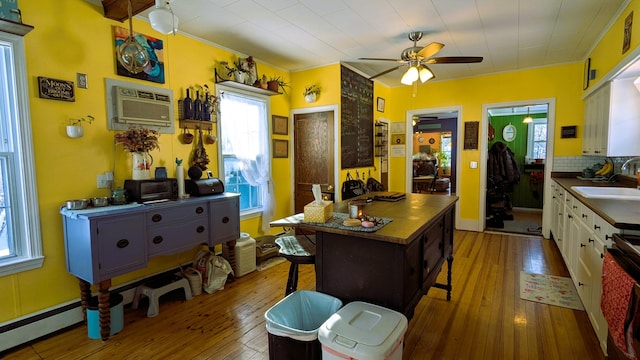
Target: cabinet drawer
x,y
586,215
163,216
433,252
173,238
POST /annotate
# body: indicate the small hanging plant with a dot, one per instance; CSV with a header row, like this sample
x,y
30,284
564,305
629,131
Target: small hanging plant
x,y
78,121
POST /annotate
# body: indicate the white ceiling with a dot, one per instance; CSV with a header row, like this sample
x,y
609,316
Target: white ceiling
x,y
302,34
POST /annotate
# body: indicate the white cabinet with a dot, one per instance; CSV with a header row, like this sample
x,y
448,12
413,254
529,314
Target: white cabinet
x,y
582,245
557,213
612,120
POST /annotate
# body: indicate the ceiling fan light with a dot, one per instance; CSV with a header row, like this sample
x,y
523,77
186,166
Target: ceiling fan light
x,y
425,74
410,76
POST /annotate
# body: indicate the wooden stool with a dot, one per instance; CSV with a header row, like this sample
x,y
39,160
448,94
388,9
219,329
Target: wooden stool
x,y
298,250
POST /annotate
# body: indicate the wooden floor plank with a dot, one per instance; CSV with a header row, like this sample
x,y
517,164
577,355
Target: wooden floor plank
x,y
485,319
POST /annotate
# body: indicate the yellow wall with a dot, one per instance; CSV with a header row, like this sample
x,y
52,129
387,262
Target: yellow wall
x,y
72,36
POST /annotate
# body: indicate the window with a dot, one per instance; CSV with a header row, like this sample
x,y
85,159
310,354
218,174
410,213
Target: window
x,y
20,242
445,139
537,139
244,148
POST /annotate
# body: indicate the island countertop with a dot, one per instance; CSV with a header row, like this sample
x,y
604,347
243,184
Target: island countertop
x,y
410,216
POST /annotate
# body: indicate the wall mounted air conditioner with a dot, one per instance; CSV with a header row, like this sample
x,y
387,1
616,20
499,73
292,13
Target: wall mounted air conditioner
x,y
143,106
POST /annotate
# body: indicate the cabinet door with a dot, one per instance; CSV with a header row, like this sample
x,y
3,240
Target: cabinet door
x,y
598,321
224,219
120,242
583,272
411,289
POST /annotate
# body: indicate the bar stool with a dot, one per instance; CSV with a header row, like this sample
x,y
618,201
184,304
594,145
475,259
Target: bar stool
x,y
298,250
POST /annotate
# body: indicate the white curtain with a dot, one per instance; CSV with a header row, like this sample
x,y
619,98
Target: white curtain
x,y
246,134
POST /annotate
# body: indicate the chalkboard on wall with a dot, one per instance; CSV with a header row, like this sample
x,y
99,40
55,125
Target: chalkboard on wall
x,y
357,120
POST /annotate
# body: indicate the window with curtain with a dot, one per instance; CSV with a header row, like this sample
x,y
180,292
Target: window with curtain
x,y
20,242
244,149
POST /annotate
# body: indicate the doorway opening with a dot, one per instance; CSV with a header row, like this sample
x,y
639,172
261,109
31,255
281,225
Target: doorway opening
x,y
518,155
433,154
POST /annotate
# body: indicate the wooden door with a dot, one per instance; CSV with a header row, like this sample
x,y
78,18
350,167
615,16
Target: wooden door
x,y
313,156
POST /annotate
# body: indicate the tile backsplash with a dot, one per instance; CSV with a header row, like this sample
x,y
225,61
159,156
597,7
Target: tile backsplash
x,y
578,163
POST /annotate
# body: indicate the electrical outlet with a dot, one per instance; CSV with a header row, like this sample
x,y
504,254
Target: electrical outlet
x,y
103,182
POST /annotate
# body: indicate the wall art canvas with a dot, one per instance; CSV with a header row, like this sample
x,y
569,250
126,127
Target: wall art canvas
x,y
155,49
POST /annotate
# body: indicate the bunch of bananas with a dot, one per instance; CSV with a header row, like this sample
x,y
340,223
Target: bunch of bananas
x,y
606,169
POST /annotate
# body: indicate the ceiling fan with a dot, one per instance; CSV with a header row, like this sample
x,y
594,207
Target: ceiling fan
x,y
417,58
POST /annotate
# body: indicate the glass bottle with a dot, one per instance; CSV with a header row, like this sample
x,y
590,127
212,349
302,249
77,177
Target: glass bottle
x,y
187,107
197,107
206,108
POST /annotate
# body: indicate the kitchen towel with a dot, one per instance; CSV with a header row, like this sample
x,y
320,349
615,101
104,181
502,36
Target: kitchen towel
x,y
616,301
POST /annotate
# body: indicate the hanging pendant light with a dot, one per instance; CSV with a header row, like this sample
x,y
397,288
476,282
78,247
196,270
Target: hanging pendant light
x,y
163,19
131,55
528,119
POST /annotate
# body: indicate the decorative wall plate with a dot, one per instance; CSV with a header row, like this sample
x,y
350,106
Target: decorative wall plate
x,y
509,133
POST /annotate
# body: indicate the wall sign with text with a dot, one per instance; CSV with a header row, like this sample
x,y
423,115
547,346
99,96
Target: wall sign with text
x,y
55,89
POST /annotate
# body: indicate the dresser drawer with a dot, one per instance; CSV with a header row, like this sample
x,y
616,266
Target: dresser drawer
x,y
177,237
166,215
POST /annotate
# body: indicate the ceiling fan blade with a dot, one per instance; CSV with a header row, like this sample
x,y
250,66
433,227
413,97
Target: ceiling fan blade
x,y
454,60
430,50
380,59
385,72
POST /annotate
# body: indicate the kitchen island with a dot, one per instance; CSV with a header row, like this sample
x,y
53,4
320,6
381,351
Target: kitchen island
x,y
393,266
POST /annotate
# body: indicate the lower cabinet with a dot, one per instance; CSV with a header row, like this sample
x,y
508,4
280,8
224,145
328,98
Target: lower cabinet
x,y
582,242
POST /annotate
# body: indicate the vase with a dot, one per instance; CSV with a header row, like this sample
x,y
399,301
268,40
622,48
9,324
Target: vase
x,y
310,98
239,76
75,131
142,162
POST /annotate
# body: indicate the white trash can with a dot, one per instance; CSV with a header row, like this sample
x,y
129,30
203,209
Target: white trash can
x,y
363,331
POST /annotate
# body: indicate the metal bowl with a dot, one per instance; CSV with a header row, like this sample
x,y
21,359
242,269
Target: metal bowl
x,y
99,201
77,204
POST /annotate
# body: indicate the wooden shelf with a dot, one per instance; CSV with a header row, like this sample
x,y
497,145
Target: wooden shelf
x,y
196,124
15,28
241,86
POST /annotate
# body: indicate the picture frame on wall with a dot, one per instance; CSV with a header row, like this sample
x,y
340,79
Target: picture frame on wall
x,y
154,47
587,70
380,104
626,39
279,125
280,148
249,66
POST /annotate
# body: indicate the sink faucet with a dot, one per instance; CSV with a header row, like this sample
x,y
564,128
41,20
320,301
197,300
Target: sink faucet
x,y
626,163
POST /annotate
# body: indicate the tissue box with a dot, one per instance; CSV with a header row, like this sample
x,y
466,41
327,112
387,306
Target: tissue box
x,y
318,213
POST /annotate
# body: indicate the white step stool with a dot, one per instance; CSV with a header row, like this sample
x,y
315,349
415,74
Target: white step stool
x,y
154,294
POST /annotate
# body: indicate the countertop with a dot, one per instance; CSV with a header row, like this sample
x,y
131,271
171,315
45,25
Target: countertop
x,y
410,216
623,214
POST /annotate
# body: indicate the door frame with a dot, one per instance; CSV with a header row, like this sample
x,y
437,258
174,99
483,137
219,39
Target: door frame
x,y
458,144
484,143
336,155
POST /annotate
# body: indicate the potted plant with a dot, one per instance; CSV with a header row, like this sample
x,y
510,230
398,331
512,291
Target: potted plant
x,y
275,83
238,72
75,129
311,93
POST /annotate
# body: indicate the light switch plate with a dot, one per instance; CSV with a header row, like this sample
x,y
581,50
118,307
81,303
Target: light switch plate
x,y
82,81
473,164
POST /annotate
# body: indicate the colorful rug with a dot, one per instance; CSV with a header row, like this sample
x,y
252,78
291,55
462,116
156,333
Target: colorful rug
x,y
549,289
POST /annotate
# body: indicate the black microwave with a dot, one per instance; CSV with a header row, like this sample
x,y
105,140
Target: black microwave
x,y
151,189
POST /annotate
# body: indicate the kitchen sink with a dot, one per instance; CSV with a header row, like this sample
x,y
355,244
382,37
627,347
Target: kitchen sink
x,y
607,192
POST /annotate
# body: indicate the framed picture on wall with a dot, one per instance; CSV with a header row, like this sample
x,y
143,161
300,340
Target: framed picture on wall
x,y
380,104
280,148
279,125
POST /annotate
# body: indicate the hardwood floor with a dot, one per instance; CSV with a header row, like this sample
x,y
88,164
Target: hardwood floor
x,y
485,319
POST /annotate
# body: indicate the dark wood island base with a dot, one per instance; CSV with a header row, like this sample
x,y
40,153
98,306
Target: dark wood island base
x,y
394,266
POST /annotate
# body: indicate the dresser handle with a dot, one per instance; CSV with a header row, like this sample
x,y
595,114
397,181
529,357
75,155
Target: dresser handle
x,y
200,229
596,227
580,284
591,240
156,217
123,243
607,237
157,240
199,210
582,245
225,219
584,216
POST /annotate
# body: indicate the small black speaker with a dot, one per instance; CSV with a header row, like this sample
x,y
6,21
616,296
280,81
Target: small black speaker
x,y
161,172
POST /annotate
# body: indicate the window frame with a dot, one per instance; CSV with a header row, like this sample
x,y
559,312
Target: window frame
x,y
531,134
220,90
23,190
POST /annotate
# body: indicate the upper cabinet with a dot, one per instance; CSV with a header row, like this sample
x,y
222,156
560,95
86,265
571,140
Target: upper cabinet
x,y
612,120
